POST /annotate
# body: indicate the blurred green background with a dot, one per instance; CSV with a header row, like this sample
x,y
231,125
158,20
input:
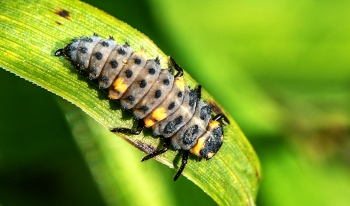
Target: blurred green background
x,y
280,68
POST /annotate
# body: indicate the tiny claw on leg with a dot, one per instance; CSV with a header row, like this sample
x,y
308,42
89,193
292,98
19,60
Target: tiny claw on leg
x,y
157,152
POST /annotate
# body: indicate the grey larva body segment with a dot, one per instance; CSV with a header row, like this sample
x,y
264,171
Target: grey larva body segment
x,y
171,103
158,92
128,74
85,48
170,125
213,137
114,64
73,50
141,85
99,57
188,135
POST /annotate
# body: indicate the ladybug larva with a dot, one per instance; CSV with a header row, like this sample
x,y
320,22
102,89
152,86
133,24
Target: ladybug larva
x,y
157,98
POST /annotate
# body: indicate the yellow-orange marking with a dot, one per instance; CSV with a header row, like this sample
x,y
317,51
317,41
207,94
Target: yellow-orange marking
x,y
200,143
119,85
148,122
180,83
159,114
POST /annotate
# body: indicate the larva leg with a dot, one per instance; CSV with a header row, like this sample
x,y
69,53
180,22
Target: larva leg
x,y
180,71
221,116
158,152
183,164
139,128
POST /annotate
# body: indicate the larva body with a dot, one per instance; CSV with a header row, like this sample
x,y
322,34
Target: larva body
x,y
157,98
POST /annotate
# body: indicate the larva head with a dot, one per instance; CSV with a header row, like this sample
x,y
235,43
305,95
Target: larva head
x,y
210,142
70,51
